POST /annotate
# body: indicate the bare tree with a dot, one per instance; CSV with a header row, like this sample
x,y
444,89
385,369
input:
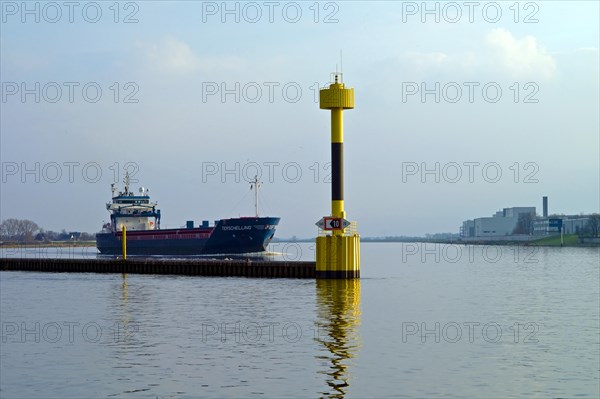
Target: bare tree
x,y
18,230
524,224
9,229
28,229
593,225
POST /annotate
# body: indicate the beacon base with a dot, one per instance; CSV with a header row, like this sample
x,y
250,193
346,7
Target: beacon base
x,y
338,257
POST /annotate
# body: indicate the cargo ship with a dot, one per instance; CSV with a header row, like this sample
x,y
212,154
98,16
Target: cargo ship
x,y
141,218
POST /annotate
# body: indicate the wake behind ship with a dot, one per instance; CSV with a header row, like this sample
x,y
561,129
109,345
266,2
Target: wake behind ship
x,y
141,217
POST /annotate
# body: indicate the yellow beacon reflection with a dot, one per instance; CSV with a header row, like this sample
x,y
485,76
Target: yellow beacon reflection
x,y
338,320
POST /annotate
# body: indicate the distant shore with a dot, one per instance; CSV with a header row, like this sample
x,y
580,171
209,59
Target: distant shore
x,y
54,244
571,240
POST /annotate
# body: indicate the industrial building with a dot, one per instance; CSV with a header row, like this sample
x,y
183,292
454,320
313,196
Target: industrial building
x,y
503,223
571,224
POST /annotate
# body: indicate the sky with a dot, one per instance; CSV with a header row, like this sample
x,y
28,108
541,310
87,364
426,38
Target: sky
x,y
462,109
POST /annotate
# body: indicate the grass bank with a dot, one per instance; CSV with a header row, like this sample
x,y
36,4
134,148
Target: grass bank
x,y
570,240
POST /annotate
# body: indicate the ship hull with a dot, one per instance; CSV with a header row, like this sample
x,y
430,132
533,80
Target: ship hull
x,y
228,236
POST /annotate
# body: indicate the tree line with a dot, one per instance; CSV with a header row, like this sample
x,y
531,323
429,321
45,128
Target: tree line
x,y
24,231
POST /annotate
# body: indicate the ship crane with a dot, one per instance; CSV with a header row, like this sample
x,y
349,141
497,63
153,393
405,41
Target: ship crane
x,y
255,185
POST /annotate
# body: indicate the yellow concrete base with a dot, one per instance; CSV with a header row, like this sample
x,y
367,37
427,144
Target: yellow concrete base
x,y
338,257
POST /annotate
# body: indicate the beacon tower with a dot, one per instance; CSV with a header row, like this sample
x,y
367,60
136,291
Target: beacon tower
x,y
338,243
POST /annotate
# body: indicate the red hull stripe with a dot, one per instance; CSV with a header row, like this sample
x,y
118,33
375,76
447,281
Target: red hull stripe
x,y
170,234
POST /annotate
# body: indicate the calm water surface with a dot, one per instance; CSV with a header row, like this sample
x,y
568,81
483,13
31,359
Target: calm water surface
x,y
424,321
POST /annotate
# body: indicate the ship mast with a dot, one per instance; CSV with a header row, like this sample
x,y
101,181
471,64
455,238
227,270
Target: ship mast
x,y
126,181
255,184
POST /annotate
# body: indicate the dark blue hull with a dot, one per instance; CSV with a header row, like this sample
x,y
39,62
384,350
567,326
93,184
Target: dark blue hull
x,y
229,236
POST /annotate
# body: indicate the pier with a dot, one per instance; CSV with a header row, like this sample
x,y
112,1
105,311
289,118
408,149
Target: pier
x,y
192,267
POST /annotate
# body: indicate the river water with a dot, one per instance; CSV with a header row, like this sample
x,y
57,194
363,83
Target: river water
x,y
425,320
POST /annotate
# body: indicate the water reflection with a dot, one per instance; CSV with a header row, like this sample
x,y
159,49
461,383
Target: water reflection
x,y
124,289
338,318
123,328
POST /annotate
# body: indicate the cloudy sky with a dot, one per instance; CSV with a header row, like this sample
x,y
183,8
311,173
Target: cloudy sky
x,y
461,109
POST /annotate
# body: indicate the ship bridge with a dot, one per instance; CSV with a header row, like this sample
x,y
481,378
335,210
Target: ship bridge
x,y
132,211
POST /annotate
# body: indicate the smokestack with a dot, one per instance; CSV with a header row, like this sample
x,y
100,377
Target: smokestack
x,y
545,206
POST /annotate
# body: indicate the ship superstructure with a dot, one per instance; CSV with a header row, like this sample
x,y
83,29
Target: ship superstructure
x,y
135,212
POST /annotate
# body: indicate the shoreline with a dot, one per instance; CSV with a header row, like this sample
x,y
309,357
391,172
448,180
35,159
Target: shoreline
x,y
49,244
571,241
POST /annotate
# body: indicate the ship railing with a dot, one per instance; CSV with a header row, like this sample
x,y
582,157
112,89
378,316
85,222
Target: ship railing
x,y
352,230
138,214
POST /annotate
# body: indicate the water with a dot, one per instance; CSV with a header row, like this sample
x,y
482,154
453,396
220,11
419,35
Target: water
x,y
424,321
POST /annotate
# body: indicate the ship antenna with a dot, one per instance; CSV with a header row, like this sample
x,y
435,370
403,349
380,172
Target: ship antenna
x,y
256,185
